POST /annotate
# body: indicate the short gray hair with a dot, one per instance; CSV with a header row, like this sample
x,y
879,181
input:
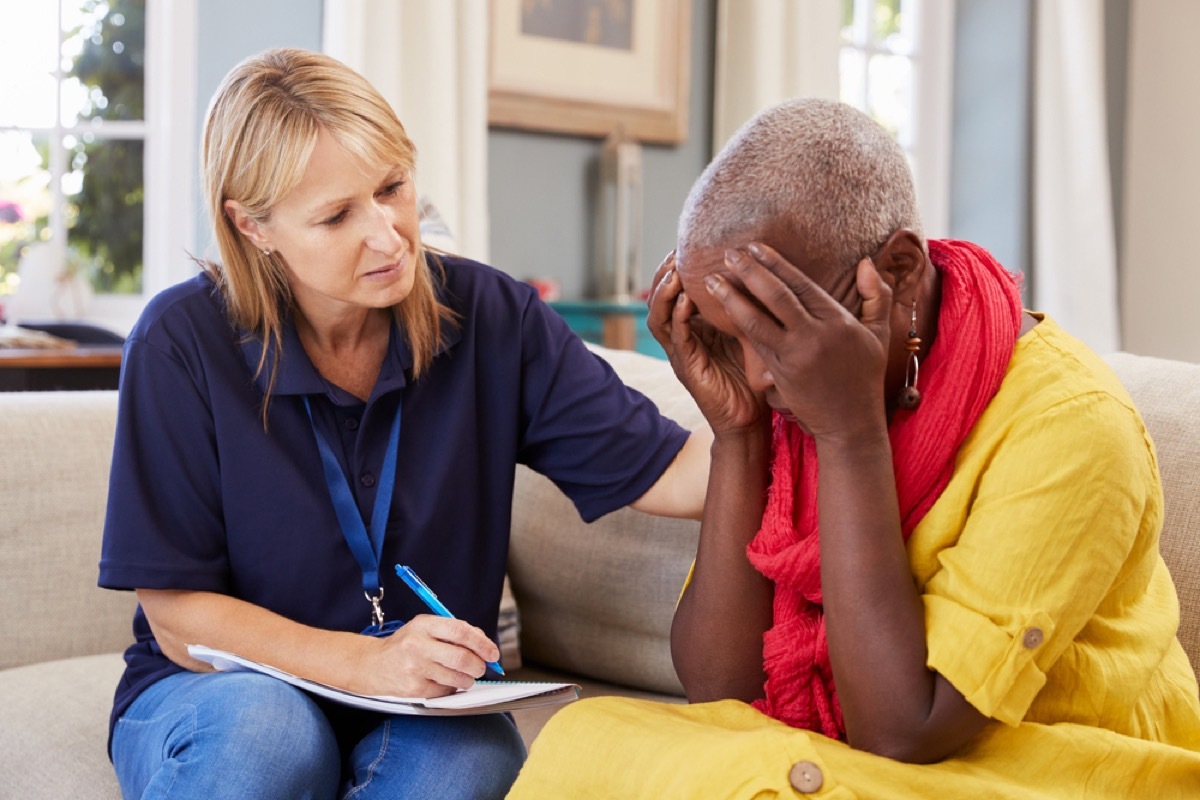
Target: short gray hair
x,y
829,173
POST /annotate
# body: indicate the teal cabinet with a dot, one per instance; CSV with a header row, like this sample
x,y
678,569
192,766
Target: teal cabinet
x,y
621,326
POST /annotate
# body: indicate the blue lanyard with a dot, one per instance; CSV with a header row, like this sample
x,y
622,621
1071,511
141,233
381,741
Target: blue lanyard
x,y
366,547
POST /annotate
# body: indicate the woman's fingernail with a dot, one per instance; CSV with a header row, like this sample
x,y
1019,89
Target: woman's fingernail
x,y
713,283
756,250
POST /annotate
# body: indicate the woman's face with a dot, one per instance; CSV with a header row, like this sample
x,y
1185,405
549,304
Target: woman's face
x,y
348,237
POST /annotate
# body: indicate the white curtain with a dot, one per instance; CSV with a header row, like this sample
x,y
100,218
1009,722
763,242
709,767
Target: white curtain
x,y
1074,249
429,59
769,51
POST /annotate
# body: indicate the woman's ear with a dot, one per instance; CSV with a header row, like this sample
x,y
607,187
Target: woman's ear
x,y
902,261
247,225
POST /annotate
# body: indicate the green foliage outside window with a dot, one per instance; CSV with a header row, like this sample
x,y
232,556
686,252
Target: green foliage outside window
x,y
101,177
106,215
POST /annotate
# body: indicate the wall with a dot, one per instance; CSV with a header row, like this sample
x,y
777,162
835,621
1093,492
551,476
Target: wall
x,y
231,30
541,186
1160,284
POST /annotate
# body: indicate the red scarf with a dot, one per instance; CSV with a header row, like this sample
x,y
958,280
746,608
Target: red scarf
x,y
978,325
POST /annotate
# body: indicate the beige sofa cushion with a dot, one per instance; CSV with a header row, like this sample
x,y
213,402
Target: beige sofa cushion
x,y
68,702
1167,393
51,518
597,600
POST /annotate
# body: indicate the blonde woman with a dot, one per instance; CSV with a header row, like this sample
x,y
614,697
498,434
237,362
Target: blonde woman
x,y
325,402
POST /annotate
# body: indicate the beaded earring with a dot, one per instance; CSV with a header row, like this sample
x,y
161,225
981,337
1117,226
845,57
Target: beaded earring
x,y
909,397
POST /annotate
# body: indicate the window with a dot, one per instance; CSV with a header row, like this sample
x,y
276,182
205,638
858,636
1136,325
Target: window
x,y
88,132
895,64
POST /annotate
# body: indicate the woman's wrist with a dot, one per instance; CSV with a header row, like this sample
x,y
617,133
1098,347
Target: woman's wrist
x,y
747,439
736,457
859,433
742,457
351,659
861,445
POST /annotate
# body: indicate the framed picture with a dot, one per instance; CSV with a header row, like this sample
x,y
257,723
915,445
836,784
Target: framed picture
x,y
589,67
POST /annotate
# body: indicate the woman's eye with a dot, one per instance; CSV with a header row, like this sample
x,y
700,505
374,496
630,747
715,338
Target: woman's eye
x,y
334,220
392,188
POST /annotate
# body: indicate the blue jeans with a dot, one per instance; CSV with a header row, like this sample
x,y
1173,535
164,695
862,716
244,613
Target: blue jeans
x,y
240,735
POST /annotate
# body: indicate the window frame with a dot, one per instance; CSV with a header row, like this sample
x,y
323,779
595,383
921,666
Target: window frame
x,y
168,161
168,223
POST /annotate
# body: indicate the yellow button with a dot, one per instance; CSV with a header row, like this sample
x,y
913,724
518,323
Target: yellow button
x,y
1033,638
806,777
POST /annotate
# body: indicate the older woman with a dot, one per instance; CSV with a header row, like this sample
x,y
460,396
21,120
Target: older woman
x,y
328,400
928,565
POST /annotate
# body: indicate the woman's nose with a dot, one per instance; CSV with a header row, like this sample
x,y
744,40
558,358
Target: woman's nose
x,y
758,376
382,235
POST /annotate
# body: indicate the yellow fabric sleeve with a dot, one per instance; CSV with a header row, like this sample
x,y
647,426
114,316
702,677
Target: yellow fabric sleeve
x,y
1049,505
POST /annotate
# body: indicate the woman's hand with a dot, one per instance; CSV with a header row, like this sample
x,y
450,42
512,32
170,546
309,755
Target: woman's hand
x,y
707,362
429,656
827,366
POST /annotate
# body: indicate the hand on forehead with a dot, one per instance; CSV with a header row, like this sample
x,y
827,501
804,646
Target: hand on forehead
x,y
696,264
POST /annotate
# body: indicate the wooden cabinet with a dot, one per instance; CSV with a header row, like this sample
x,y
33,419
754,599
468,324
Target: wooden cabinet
x,y
80,368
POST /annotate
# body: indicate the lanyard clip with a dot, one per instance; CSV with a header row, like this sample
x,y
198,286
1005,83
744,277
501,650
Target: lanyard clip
x,y
376,609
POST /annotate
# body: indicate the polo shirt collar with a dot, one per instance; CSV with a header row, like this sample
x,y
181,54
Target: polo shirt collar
x,y
298,376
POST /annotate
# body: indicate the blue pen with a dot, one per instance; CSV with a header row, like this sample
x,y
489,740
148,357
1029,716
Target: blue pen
x,y
430,599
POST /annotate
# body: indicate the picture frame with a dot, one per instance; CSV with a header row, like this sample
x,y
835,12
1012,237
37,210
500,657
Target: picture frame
x,y
591,67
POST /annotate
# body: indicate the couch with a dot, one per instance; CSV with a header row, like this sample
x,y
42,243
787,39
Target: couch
x,y
595,602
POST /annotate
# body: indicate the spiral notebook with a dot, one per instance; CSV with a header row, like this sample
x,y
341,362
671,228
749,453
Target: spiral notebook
x,y
485,697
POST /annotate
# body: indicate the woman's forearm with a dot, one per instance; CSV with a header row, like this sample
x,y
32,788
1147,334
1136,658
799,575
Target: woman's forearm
x,y
428,656
892,703
180,618
716,637
680,490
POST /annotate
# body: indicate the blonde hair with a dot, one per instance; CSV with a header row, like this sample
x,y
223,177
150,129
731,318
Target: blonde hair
x,y
831,174
259,133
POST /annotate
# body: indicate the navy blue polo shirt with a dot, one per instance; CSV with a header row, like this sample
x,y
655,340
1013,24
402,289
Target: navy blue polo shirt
x,y
201,497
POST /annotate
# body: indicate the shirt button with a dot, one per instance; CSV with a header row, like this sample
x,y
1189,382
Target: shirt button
x,y
367,480
806,777
1033,638
352,423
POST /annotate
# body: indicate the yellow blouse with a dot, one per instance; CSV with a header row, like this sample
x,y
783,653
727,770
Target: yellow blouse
x,y
1047,605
